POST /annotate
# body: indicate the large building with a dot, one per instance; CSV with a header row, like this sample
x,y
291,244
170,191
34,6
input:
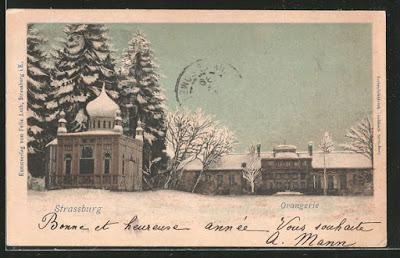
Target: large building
x,y
285,170
101,157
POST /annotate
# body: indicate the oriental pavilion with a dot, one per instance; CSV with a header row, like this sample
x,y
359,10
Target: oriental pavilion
x,y
101,157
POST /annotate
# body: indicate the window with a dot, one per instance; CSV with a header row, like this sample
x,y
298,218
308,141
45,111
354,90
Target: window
x,y
109,124
271,185
220,180
104,124
98,124
303,176
303,185
343,181
107,163
67,164
231,179
358,179
355,181
318,183
86,163
94,124
330,182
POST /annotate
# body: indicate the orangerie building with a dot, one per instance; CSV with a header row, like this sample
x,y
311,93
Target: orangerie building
x,y
101,157
285,171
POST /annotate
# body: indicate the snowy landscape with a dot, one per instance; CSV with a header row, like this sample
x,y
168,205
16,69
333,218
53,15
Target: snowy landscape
x,y
198,127
67,75
194,212
187,205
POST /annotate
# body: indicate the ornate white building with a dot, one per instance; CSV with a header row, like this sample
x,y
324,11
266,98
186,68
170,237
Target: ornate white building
x,y
101,157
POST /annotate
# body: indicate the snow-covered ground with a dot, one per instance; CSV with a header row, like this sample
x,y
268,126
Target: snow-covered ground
x,y
183,203
195,211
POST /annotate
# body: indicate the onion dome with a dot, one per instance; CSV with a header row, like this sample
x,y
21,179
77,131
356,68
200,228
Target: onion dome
x,y
102,106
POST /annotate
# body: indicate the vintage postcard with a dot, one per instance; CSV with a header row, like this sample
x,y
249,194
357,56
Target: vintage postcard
x,y
184,128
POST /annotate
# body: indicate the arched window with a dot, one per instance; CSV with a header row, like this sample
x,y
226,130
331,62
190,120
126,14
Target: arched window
x,y
86,162
67,164
107,163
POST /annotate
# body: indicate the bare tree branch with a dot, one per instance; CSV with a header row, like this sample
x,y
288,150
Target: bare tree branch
x,y
361,139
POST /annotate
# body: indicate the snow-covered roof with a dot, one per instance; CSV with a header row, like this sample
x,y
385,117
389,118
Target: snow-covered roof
x,y
94,132
231,161
53,142
102,106
285,147
339,159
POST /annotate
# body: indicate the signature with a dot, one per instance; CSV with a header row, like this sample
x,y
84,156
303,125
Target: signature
x,y
293,229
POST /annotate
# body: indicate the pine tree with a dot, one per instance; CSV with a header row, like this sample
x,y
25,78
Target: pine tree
x,y
38,83
83,65
142,97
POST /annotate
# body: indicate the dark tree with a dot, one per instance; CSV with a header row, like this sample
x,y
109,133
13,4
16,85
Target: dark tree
x,y
142,97
83,65
38,83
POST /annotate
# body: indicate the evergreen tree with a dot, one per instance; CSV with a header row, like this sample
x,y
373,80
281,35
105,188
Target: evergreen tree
x,y
38,84
142,97
83,65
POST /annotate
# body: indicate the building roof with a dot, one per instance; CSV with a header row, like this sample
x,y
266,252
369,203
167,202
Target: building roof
x,y
93,133
53,142
102,106
285,147
339,159
232,161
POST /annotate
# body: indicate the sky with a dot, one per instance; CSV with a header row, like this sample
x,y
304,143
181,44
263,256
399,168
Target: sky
x,y
282,83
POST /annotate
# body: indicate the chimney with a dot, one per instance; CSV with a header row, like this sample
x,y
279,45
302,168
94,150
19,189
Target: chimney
x,y
258,149
310,148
